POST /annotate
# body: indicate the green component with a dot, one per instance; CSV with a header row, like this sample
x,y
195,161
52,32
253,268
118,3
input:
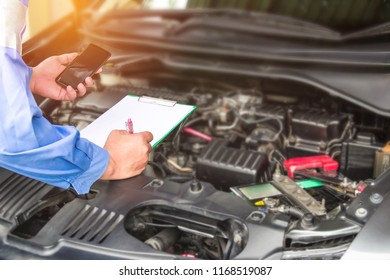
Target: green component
x,y
310,183
259,191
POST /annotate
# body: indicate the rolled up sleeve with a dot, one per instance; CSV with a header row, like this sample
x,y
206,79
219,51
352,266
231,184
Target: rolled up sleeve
x,y
30,145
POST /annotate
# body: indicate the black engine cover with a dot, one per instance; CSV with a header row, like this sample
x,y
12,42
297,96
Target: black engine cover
x,y
224,166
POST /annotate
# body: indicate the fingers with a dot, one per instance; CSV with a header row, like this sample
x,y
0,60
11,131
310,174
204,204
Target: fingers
x,y
71,94
89,82
129,154
81,89
66,58
147,136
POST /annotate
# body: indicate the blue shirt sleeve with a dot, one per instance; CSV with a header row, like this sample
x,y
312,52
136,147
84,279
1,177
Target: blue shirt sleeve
x,y
31,146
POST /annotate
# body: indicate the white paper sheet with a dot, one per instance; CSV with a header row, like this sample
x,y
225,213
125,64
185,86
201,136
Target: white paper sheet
x,y
158,118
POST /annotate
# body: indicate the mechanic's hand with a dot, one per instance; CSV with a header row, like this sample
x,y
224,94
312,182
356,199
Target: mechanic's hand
x,y
128,154
43,79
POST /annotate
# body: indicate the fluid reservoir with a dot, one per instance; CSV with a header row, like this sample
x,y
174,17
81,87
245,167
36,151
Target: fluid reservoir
x,y
382,160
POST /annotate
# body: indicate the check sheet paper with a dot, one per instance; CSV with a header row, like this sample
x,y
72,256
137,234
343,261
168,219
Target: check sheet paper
x,y
158,116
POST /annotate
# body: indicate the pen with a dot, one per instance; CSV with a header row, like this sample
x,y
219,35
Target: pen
x,y
129,126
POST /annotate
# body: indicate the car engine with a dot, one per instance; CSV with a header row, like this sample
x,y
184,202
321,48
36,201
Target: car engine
x,y
267,167
288,150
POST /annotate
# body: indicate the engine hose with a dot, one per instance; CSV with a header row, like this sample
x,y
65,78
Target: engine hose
x,y
164,239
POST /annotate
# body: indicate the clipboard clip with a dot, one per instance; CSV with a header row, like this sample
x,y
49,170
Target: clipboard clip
x,y
157,101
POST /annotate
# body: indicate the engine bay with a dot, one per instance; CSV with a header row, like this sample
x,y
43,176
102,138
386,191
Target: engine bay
x,y
287,150
273,164
243,130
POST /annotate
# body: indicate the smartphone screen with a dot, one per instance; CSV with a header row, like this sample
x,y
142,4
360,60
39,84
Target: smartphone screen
x,y
84,65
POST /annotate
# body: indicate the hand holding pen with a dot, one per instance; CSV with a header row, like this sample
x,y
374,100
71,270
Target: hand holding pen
x,y
129,152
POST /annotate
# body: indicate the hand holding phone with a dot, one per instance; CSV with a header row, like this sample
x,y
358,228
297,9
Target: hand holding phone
x,y
84,65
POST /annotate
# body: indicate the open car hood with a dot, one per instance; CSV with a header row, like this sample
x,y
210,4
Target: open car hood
x,y
273,95
352,66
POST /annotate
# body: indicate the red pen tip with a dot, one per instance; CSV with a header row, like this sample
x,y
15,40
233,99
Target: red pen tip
x,y
129,126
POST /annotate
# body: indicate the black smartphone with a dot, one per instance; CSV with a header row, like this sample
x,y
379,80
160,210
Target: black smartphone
x,y
84,65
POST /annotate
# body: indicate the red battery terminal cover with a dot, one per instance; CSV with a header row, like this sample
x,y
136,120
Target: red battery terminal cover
x,y
324,162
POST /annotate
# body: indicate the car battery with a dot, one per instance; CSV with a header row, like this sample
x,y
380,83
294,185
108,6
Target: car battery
x,y
382,160
224,166
358,157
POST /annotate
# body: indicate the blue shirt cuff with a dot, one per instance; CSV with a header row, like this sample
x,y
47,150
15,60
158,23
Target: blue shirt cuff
x,y
99,163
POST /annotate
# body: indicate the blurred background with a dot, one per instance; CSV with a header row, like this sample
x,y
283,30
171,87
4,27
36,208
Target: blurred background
x,y
42,13
343,15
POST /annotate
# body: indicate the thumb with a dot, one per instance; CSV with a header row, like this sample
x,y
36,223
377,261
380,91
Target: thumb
x,y
66,58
